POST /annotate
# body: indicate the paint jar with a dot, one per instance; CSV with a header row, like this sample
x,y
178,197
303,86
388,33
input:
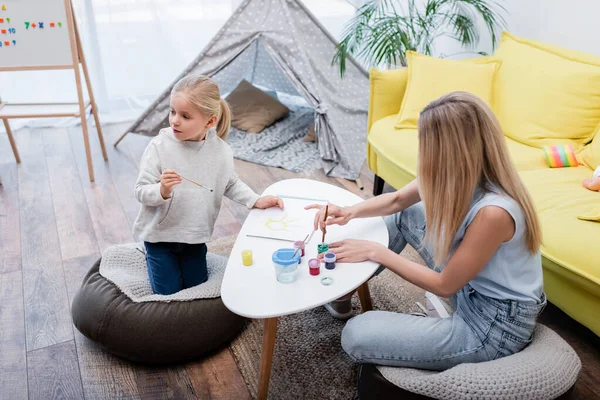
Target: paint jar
x,y
322,248
314,266
247,257
329,260
286,265
299,245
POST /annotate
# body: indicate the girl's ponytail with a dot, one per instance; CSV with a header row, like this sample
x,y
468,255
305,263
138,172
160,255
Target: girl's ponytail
x,y
223,120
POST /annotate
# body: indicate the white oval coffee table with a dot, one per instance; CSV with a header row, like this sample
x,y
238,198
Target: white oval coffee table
x,y
254,292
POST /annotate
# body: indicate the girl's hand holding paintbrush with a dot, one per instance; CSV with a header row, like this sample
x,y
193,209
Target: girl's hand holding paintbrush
x,y
168,179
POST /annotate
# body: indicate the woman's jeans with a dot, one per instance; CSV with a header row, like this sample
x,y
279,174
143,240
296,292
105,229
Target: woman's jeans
x,y
175,266
481,328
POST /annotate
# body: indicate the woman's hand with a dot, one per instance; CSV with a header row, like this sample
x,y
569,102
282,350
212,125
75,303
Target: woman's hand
x,y
335,215
268,202
354,250
168,179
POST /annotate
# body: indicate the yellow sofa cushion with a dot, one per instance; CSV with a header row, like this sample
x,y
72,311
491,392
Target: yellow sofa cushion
x,y
389,85
545,95
401,147
570,242
430,77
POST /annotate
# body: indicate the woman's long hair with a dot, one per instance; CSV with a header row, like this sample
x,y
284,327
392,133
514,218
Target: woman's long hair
x,y
462,147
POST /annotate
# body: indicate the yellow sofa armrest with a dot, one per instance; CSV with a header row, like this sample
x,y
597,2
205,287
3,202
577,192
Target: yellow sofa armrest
x,y
386,92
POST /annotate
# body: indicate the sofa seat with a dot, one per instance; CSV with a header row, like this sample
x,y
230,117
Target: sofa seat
x,y
570,245
398,148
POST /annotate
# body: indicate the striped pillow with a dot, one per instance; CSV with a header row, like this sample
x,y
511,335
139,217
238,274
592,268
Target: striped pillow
x,y
560,156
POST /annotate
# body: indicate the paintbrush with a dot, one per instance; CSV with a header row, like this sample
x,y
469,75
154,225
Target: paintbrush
x,y
196,183
299,247
324,228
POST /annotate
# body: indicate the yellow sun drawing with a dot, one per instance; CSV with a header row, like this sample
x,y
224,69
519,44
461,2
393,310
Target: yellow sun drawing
x,y
282,224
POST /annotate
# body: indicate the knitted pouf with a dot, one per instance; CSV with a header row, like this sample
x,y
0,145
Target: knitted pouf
x,y
152,329
546,369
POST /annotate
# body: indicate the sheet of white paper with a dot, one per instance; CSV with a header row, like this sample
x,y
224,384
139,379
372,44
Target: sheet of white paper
x,y
292,223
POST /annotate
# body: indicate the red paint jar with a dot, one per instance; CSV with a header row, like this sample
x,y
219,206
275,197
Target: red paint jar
x,y
314,266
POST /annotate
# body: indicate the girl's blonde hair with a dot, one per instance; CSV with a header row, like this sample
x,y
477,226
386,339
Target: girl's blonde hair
x,y
462,147
204,94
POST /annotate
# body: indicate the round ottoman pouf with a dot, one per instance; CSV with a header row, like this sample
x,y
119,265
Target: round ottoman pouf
x,y
546,369
152,329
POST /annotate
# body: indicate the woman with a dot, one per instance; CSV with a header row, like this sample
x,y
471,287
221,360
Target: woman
x,y
472,220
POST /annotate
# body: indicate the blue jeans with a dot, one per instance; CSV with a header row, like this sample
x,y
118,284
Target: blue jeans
x,y
481,329
175,266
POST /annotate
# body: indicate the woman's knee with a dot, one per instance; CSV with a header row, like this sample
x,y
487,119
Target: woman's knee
x,y
358,335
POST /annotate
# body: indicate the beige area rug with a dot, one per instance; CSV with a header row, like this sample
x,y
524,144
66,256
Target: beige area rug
x,y
309,362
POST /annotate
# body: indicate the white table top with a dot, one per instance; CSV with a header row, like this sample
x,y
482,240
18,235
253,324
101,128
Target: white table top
x,y
254,291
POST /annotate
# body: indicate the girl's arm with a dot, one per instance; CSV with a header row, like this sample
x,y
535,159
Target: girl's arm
x,y
239,192
147,186
490,228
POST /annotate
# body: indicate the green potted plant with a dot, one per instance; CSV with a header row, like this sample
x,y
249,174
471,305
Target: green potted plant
x,y
383,30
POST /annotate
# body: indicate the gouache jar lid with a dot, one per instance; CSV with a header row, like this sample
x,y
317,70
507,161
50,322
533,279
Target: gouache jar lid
x,y
285,257
329,257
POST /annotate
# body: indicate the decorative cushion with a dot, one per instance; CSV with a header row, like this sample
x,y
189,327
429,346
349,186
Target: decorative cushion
x,y
544,94
252,109
310,135
545,369
560,156
390,86
150,331
430,77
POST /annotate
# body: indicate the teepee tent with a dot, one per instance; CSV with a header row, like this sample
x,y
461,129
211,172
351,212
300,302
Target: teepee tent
x,y
280,45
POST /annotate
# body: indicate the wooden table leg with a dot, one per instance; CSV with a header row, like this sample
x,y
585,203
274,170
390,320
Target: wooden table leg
x,y
365,297
269,335
11,139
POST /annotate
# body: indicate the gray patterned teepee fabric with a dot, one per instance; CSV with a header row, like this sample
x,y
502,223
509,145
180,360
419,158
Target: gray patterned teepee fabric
x,y
279,44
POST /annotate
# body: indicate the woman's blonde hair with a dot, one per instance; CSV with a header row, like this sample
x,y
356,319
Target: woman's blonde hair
x,y
204,94
462,147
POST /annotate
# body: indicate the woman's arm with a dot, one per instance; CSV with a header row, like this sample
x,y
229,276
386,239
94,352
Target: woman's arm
x,y
385,204
490,228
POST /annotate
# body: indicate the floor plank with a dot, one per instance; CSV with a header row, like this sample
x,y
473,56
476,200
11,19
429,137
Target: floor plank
x,y
218,378
54,373
47,317
73,221
123,169
164,383
13,366
103,375
107,214
10,226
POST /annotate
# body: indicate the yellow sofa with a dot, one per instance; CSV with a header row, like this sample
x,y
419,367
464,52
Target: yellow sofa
x,y
571,246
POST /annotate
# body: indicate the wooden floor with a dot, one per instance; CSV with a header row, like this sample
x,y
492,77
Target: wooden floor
x,y
54,223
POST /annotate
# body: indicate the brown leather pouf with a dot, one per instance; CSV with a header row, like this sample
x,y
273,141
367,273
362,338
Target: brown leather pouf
x,y
150,332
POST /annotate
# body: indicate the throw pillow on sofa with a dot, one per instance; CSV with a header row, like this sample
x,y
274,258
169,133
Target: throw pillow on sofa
x,y
546,95
252,110
430,77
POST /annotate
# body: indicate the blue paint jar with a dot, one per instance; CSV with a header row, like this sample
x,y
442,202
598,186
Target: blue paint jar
x,y
329,260
286,265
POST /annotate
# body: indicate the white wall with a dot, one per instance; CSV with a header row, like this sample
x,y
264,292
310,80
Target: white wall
x,y
568,23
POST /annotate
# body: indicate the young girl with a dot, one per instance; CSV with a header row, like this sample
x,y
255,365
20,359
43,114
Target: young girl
x,y
177,218
473,223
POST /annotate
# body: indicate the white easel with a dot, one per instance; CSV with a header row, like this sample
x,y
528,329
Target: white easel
x,y
43,110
